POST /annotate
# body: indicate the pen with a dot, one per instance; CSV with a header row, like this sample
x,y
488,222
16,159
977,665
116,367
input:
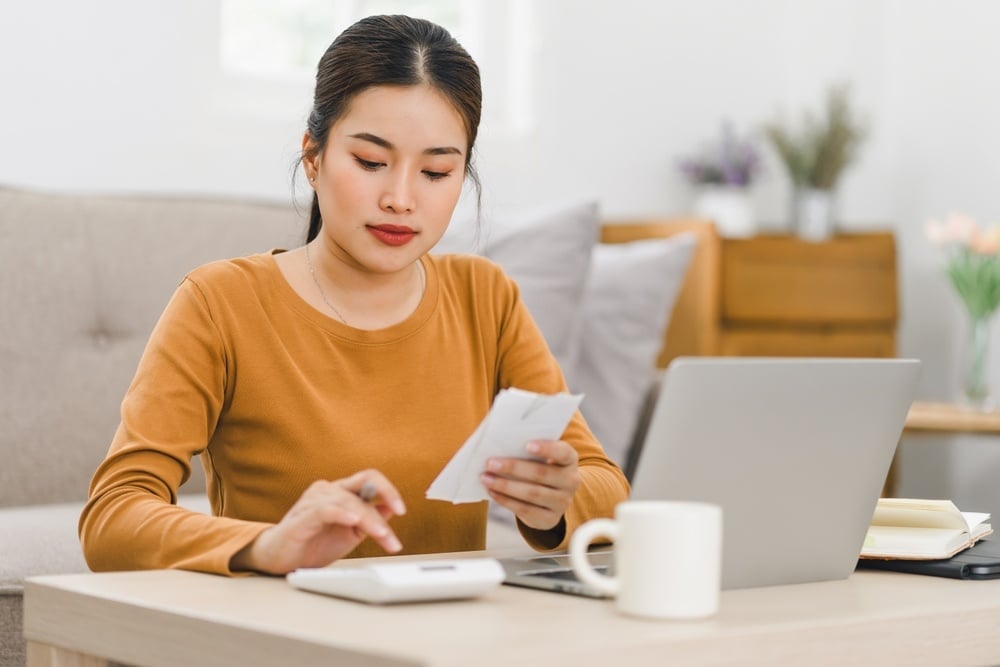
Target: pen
x,y
367,492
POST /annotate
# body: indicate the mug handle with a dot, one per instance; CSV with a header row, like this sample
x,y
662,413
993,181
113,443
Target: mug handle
x,y
578,544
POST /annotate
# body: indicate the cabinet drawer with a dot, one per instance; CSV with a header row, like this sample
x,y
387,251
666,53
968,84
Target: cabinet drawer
x,y
751,342
850,279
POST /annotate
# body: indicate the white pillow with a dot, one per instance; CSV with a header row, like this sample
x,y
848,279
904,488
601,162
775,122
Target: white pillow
x,y
548,254
630,293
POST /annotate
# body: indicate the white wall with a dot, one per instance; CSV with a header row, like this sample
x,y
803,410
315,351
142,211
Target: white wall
x,y
126,96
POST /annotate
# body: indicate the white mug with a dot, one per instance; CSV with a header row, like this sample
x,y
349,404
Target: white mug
x,y
667,557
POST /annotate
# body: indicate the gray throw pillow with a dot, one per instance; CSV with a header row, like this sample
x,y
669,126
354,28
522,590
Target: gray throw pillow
x,y
630,293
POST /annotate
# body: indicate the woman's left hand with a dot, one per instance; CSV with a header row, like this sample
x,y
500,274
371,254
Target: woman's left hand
x,y
538,492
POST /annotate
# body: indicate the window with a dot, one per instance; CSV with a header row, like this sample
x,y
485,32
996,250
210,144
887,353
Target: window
x,y
267,39
268,51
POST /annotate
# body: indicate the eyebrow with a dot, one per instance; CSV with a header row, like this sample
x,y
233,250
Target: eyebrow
x,y
379,141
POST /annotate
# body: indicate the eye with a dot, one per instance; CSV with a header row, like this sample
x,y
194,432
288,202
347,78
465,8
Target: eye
x,y
436,175
368,165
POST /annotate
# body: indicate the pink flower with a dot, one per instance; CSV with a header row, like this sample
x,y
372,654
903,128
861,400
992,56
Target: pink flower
x,y
987,242
973,263
961,229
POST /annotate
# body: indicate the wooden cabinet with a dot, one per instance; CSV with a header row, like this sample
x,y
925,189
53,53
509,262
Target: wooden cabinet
x,y
782,296
777,295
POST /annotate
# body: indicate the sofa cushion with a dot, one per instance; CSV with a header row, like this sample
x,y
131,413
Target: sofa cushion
x,y
38,540
84,280
42,539
631,289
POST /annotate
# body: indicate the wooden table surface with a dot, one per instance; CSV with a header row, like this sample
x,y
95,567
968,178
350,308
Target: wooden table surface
x,y
168,618
950,418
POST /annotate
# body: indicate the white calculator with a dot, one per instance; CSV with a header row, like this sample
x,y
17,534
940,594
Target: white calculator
x,y
405,581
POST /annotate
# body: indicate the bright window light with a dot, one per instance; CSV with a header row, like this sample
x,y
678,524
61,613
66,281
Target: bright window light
x,y
267,39
268,51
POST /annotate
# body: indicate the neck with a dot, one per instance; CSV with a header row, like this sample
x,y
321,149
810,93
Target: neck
x,y
360,298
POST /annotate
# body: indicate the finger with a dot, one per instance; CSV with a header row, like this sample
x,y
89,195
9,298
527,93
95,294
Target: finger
x,y
527,492
530,515
536,472
337,504
372,520
341,491
384,491
523,469
377,528
333,503
557,452
316,517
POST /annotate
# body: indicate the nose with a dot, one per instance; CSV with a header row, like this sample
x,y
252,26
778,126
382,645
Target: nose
x,y
398,195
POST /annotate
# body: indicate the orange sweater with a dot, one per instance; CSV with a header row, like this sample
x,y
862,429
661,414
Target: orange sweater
x,y
274,395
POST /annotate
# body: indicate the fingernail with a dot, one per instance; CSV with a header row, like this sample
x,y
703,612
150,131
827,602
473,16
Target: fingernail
x,y
487,478
394,544
494,465
533,447
398,507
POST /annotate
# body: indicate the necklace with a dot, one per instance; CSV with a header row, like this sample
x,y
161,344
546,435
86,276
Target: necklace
x,y
322,294
320,288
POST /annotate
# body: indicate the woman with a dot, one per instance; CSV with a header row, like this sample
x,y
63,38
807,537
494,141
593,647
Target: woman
x,y
357,363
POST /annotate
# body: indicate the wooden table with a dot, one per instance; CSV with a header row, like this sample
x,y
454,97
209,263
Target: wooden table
x,y
168,618
926,417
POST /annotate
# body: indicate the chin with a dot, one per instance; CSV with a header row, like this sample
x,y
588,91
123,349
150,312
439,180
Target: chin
x,y
393,264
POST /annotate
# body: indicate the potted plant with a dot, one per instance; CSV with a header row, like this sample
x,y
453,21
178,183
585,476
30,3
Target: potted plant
x,y
973,267
815,157
723,173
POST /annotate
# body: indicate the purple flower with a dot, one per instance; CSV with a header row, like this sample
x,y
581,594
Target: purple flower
x,y
732,161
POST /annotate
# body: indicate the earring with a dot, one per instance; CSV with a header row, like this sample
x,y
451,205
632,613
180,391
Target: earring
x,y
312,180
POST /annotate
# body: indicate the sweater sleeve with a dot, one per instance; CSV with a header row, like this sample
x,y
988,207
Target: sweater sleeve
x,y
526,362
131,520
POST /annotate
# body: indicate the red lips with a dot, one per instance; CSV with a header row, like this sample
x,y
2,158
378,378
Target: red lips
x,y
394,235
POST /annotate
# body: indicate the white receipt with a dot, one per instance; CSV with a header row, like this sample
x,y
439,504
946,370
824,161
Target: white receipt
x,y
516,417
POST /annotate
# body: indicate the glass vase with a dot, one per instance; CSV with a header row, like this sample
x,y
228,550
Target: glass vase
x,y
976,386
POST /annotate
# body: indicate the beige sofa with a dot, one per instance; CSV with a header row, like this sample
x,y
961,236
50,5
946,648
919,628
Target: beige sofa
x,y
82,282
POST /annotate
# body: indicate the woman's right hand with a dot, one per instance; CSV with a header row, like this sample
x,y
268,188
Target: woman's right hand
x,y
326,523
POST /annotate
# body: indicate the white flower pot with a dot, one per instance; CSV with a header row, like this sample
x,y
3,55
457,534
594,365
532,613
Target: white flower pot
x,y
729,207
812,214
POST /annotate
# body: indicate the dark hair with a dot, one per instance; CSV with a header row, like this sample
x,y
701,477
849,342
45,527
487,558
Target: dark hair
x,y
393,51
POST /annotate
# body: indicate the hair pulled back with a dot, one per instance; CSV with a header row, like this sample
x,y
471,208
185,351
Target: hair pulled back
x,y
391,51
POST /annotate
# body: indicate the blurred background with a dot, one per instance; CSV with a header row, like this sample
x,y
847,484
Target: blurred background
x,y
583,101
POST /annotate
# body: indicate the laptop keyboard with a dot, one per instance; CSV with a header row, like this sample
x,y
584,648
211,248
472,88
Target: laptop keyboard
x,y
566,574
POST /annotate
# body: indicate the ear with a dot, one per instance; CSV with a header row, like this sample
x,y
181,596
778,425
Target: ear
x,y
310,164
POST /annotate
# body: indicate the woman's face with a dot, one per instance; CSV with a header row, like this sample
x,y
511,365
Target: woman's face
x,y
390,176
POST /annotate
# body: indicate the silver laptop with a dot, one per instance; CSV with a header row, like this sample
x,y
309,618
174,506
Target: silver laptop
x,y
795,450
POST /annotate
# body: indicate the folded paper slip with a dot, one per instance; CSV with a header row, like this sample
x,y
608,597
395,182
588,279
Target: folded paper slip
x,y
912,529
517,416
